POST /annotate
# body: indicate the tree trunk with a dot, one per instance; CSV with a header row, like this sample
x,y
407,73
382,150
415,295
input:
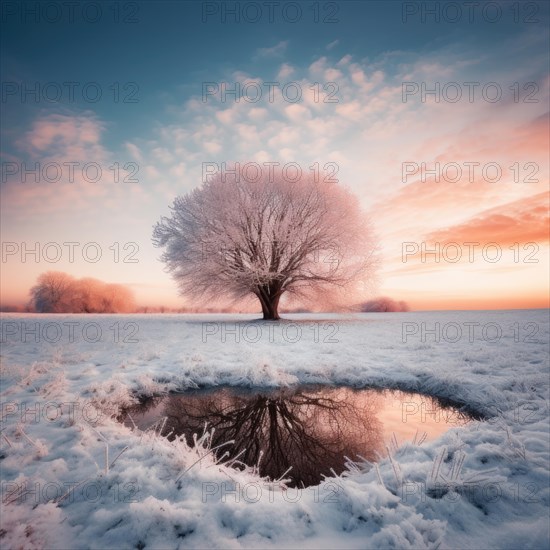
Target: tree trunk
x,y
270,305
271,310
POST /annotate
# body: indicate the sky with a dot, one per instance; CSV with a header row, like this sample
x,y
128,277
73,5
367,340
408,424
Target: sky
x,y
435,114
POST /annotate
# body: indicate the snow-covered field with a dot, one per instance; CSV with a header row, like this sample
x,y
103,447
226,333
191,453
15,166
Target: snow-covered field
x,y
74,477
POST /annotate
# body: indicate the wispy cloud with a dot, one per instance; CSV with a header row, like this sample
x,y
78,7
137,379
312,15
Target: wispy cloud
x,y
275,51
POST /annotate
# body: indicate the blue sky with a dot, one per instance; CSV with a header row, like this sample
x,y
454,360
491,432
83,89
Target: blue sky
x,y
169,52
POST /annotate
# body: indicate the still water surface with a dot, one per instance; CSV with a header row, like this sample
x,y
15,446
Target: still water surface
x,y
311,428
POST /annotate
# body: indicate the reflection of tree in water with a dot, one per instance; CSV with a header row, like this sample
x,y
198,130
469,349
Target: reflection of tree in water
x,y
311,431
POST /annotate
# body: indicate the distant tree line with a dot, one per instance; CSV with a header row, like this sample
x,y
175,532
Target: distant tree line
x,y
383,304
58,292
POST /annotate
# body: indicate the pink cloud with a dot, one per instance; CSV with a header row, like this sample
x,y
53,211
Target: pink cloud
x,y
73,136
521,221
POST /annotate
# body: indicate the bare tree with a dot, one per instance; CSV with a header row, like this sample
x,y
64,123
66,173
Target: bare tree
x,y
53,292
235,238
87,297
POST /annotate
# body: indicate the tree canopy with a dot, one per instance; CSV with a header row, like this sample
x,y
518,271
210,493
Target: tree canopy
x,y
234,238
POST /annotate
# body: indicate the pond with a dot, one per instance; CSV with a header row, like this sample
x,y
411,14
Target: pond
x,y
310,429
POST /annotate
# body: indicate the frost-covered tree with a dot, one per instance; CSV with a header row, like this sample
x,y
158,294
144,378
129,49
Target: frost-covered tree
x,y
87,297
53,292
234,238
117,299
58,292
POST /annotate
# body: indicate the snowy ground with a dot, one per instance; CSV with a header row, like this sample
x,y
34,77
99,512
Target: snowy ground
x,y
66,485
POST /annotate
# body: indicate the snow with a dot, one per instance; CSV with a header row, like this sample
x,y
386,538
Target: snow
x,y
483,485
